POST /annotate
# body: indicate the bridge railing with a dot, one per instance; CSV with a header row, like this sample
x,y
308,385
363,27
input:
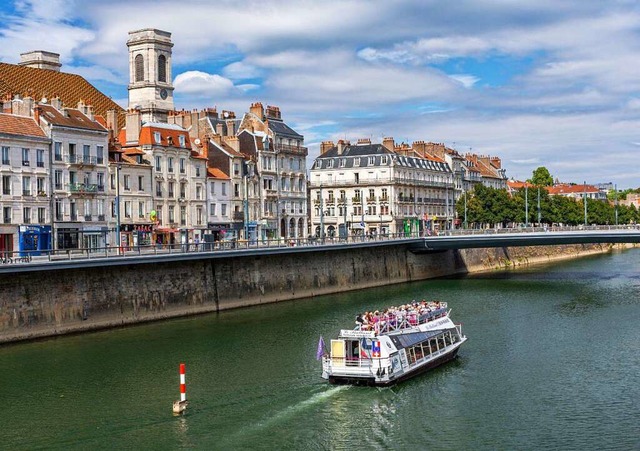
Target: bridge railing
x,y
27,256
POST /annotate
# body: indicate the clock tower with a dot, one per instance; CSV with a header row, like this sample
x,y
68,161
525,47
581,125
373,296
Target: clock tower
x,y
150,88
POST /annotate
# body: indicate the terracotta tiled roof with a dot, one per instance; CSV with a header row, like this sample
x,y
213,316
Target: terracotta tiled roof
x,y
70,88
516,184
217,174
564,189
20,126
69,118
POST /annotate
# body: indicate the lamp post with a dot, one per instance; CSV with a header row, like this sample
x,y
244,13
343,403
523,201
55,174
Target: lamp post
x,y
585,202
526,204
616,210
465,209
539,212
118,167
321,217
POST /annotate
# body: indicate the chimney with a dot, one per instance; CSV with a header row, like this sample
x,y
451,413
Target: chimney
x,y
364,141
37,110
233,142
420,148
56,103
273,112
258,110
389,143
325,146
496,162
133,125
231,125
112,123
220,129
41,59
341,145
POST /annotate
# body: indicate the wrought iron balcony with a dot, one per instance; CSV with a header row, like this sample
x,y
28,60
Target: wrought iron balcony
x,y
83,188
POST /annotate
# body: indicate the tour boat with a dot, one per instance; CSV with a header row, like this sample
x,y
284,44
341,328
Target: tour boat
x,y
395,346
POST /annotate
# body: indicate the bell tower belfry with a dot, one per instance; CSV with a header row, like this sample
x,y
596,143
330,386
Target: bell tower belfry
x,y
150,87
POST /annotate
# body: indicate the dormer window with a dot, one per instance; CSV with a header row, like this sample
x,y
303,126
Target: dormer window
x,y
157,138
182,140
372,161
343,161
384,159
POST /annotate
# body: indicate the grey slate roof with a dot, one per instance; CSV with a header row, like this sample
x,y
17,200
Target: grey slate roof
x,y
282,129
359,156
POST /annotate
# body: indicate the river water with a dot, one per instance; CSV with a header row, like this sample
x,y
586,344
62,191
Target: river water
x,y
552,362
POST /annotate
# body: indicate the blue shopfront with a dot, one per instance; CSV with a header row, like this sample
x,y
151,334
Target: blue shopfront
x,y
34,239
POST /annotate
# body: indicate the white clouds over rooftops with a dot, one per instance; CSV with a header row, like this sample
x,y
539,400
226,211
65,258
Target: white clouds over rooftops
x,y
536,82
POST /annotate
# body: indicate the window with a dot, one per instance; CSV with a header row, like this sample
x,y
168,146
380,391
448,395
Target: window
x,y
87,210
212,209
6,215
112,181
86,151
42,215
157,138
170,164
57,151
127,182
183,190
159,214
6,184
127,209
183,215
329,164
224,188
26,186
198,192
197,170
171,184
162,68
236,169
182,168
372,161
140,183
182,140
5,155
343,161
59,210
213,187
74,211
101,181
139,67
141,209
172,218
383,159
158,164
236,189
100,154
40,186
72,177
25,157
223,209
199,215
40,158
57,179
158,189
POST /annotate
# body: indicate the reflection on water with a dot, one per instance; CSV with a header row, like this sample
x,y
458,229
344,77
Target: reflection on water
x,y
552,362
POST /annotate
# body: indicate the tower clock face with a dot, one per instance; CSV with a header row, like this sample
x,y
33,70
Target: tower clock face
x,y
163,94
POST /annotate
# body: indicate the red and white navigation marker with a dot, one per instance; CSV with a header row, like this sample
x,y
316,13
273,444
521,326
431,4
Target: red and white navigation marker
x,y
180,406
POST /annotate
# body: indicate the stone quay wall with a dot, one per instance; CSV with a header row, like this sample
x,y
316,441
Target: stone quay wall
x,y
55,302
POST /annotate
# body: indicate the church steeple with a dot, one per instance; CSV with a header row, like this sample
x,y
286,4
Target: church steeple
x,y
150,87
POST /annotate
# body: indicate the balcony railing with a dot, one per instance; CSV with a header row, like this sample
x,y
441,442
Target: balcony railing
x,y
80,159
83,188
238,215
87,217
100,217
300,150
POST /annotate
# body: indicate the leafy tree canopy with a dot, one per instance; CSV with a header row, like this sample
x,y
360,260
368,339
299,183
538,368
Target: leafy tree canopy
x,y
541,177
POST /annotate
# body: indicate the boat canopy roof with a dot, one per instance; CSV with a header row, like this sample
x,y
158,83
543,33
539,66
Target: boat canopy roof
x,y
406,340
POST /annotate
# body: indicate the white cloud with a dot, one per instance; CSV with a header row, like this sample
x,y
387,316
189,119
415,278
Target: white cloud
x,y
465,80
240,71
202,84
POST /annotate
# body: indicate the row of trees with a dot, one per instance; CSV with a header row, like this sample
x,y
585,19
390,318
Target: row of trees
x,y
490,206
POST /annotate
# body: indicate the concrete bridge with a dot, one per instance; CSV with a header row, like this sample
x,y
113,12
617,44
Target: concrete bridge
x,y
507,238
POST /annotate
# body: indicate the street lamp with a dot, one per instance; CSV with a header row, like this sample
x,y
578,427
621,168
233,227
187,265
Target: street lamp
x,y
466,225
616,194
118,167
321,217
585,202
539,213
526,204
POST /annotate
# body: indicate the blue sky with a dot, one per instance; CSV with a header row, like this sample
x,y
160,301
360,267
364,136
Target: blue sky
x,y
537,83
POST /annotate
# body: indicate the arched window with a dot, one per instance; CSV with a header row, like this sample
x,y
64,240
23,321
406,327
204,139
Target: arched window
x,y
139,67
162,68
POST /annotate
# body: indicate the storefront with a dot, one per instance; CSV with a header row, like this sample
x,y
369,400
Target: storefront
x,y
134,235
219,230
94,237
34,239
165,236
6,239
67,237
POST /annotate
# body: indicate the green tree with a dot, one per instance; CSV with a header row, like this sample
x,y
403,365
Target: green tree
x,y
541,177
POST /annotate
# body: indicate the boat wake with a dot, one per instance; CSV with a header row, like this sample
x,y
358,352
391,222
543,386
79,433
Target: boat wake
x,y
290,411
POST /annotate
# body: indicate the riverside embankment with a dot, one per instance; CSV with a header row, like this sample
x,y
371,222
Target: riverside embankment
x,y
59,301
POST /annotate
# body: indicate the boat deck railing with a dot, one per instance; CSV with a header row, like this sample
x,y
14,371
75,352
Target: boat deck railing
x,y
394,322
